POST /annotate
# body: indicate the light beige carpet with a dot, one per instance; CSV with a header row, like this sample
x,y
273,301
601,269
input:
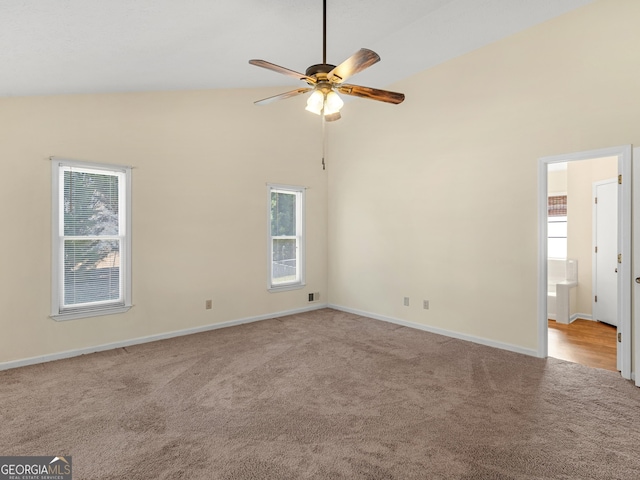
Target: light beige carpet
x,y
322,395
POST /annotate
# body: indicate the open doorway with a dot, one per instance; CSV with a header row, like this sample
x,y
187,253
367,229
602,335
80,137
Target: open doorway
x,y
582,232
572,273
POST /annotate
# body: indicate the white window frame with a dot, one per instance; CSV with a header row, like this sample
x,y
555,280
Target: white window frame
x,y
557,220
92,309
554,219
299,282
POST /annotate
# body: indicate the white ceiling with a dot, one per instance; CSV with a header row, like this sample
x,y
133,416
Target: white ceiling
x,y
83,46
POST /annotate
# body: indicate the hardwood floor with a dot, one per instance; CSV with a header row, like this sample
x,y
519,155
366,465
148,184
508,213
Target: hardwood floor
x,y
584,341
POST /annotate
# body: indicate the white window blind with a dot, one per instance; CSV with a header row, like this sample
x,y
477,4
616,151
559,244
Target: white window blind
x,y
91,269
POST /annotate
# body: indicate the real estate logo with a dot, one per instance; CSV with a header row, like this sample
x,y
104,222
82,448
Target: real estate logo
x,y
35,468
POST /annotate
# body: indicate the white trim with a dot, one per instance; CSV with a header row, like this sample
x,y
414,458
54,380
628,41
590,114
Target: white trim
x,y
286,287
84,165
127,279
98,312
151,338
581,316
624,234
624,277
57,273
282,186
439,331
586,155
301,232
543,274
636,264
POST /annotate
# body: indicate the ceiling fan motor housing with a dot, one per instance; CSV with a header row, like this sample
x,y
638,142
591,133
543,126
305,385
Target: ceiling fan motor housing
x,y
319,71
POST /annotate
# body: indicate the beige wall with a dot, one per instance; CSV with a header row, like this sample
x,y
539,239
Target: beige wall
x,y
437,198
580,178
557,182
201,160
432,199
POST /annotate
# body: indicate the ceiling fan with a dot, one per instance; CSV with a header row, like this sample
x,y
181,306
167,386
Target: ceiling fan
x,y
325,81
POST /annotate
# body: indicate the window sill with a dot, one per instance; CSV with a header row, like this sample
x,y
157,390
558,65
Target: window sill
x,y
90,313
285,288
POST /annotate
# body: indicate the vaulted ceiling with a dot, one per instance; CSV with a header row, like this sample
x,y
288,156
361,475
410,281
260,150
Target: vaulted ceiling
x,y
82,46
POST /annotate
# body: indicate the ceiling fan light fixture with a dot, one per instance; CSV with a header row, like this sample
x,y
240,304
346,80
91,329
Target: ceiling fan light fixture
x,y
332,117
333,103
315,102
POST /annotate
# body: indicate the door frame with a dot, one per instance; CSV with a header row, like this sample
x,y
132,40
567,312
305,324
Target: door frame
x,y
636,266
624,245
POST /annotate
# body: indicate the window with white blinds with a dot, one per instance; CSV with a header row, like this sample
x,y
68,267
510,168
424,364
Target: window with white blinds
x,y
286,237
91,272
557,226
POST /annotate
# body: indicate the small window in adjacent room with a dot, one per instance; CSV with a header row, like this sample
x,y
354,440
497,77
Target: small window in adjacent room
x,y
91,239
286,237
557,226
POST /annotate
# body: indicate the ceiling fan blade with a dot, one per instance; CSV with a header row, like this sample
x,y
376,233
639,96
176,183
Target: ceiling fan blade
x,y
372,93
282,70
282,96
357,62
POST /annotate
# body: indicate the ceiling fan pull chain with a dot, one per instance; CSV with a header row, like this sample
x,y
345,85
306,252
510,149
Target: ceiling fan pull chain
x,y
324,142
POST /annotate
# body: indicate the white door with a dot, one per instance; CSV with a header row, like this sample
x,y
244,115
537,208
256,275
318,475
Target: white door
x,y
605,274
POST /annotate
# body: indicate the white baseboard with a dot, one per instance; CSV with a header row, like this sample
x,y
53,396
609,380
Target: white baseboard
x,y
447,333
582,316
151,338
573,318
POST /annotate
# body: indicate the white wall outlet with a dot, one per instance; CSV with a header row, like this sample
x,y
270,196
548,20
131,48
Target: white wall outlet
x,y
406,301
208,304
425,304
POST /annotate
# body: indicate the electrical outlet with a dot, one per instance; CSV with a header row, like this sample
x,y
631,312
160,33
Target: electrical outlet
x,y
406,301
208,304
425,304
316,296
